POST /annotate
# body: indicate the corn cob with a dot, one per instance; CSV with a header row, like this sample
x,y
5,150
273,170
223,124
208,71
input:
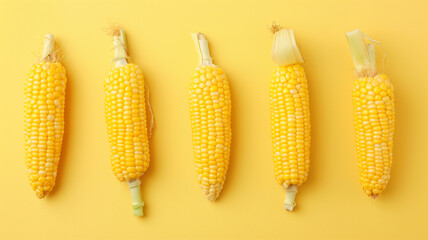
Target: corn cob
x,y
290,116
125,110
374,116
210,111
44,118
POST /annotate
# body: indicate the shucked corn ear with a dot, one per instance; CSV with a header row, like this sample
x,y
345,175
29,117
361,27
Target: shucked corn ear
x,y
125,110
289,105
44,118
210,111
374,116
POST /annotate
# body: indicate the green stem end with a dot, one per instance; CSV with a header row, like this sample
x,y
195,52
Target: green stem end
x,y
137,203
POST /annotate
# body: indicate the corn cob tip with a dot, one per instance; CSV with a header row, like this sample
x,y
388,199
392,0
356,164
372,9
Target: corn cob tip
x,y
137,203
284,48
202,49
211,198
50,50
40,195
275,27
290,194
213,193
120,43
198,36
374,196
363,55
113,29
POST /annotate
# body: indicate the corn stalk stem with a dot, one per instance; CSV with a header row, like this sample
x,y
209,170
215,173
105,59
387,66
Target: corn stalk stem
x,y
137,203
290,194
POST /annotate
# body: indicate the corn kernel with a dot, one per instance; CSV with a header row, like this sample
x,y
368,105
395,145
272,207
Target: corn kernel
x,y
290,125
374,165
125,112
48,107
211,130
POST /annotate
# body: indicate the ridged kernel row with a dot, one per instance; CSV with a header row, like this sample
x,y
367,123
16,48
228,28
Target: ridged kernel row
x,y
210,111
290,124
374,125
44,123
125,109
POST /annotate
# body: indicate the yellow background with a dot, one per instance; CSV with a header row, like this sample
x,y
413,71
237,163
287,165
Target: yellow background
x,y
89,203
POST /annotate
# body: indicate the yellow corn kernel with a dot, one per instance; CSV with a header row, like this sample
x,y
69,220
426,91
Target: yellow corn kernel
x,y
373,101
288,110
374,136
127,146
44,118
210,111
